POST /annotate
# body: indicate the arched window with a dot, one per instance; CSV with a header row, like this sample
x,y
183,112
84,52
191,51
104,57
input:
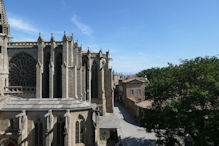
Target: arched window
x,y
60,132
79,130
85,63
38,133
58,72
22,70
82,131
1,29
8,142
46,75
94,80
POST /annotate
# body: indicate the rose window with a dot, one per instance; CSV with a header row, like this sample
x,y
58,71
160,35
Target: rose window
x,y
22,70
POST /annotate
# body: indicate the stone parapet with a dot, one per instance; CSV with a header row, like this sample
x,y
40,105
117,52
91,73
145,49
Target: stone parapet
x,y
14,44
20,91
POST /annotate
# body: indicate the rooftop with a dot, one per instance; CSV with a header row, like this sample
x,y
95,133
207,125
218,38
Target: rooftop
x,y
9,103
108,121
132,78
145,104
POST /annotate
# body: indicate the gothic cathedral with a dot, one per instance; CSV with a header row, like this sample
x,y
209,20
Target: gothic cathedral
x,y
51,92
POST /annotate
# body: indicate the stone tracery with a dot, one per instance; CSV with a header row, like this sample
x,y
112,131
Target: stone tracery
x,y
22,70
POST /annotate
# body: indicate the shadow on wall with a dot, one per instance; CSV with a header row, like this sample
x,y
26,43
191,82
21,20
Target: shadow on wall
x,y
131,141
125,113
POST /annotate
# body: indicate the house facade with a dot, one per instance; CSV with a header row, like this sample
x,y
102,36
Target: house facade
x,y
134,93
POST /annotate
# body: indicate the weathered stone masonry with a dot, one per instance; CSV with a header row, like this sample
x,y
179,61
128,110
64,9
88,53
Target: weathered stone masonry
x,y
51,90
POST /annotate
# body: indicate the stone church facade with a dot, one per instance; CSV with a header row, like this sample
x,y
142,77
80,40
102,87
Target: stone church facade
x,y
51,92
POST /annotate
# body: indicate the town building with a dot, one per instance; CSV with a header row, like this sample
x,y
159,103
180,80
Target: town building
x,y
51,92
133,93
118,89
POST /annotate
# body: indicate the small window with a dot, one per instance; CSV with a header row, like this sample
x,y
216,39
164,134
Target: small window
x,y
12,124
1,29
132,92
139,99
5,82
139,92
0,49
0,16
79,130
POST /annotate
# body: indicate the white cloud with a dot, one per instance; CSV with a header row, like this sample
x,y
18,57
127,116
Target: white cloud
x,y
24,39
21,25
85,29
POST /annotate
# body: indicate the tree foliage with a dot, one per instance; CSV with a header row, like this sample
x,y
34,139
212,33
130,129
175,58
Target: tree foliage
x,y
186,101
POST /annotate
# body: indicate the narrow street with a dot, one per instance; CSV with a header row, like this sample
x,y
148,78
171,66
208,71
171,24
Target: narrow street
x,y
130,133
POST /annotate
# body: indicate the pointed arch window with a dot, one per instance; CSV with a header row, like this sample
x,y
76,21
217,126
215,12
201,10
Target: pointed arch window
x,y
38,133
79,130
85,62
1,29
58,76
82,131
46,75
60,132
94,80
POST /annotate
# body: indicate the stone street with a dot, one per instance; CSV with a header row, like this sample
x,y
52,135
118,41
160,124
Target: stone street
x,y
131,134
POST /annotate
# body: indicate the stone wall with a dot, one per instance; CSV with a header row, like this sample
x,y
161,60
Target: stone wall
x,y
34,116
109,91
138,90
132,107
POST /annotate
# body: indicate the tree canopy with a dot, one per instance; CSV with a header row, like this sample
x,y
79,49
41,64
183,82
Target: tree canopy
x,y
186,101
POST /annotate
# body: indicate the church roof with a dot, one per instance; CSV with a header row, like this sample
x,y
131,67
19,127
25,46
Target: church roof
x,y
9,103
85,52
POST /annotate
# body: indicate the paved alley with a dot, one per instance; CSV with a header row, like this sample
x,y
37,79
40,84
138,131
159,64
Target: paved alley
x,y
131,134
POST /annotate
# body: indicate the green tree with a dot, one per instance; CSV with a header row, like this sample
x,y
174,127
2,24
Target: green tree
x,y
186,101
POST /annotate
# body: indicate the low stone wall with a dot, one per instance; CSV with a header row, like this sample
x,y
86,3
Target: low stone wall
x,y
132,107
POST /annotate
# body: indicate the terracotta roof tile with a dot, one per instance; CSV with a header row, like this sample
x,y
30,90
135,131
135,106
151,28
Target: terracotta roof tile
x,y
145,104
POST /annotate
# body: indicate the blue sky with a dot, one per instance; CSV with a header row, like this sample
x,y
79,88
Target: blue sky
x,y
138,33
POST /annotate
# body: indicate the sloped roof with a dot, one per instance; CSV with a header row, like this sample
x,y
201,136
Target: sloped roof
x,y
132,78
9,103
85,52
132,99
109,121
145,104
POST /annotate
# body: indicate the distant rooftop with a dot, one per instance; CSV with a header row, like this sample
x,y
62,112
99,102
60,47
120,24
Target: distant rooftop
x,y
132,78
85,52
